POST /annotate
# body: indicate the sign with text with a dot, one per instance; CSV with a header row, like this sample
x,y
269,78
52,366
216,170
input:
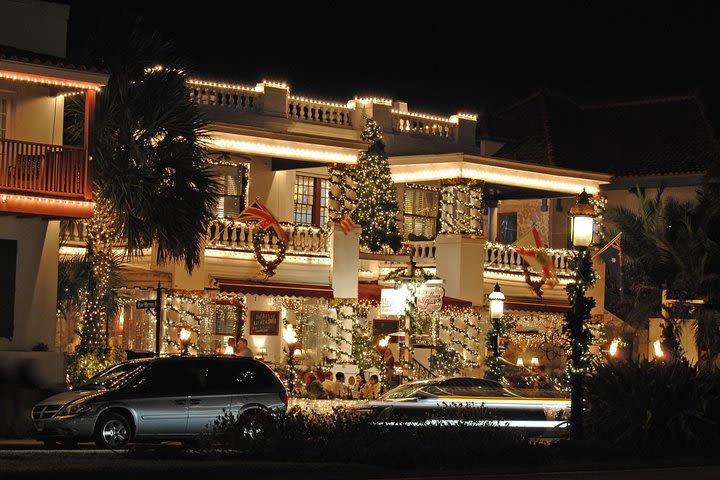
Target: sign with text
x,y
393,301
264,323
144,304
430,299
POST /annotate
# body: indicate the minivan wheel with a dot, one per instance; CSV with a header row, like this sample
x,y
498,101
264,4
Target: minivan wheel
x,y
113,431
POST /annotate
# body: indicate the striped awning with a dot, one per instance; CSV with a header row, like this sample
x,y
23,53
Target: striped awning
x,y
302,290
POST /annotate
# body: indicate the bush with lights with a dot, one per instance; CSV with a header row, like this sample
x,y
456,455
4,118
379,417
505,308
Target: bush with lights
x,y
377,211
500,328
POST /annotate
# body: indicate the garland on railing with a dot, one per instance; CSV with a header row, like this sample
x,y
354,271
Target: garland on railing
x,y
459,198
342,178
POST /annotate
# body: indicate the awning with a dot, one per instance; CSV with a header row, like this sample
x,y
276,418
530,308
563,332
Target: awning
x,y
275,289
529,305
371,291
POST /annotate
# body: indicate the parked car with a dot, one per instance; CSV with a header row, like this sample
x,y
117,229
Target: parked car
x,y
157,399
453,399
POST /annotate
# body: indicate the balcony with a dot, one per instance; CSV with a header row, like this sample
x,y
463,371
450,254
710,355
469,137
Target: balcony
x,y
28,168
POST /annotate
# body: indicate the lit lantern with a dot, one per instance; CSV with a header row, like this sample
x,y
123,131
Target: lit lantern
x,y
184,334
290,337
535,362
383,342
612,351
497,303
658,349
581,220
520,362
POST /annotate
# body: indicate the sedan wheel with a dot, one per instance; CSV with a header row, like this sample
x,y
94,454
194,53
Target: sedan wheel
x,y
113,431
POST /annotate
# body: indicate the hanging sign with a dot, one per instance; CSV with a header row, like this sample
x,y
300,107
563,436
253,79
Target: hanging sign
x,y
393,301
430,299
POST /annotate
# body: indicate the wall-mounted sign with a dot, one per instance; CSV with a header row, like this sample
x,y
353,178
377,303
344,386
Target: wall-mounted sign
x,y
393,301
430,299
264,323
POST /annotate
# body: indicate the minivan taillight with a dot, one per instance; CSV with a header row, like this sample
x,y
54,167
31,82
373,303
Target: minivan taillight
x,y
284,397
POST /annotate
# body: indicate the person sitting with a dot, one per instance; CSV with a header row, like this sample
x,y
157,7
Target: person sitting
x,y
340,390
329,385
314,388
372,390
230,348
243,350
359,387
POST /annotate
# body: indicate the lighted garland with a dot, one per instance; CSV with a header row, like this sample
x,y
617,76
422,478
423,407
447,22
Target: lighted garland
x,y
577,318
267,267
499,328
377,211
460,336
343,179
461,207
599,203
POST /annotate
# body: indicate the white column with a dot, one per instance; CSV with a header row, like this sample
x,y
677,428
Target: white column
x,y
344,252
460,263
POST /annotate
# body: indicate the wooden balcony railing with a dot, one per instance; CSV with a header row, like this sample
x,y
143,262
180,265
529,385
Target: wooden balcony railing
x,y
49,170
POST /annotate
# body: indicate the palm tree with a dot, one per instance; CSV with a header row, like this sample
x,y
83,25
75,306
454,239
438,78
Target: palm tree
x,y
152,184
673,245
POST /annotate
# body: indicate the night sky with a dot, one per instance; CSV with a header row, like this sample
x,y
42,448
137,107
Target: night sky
x,y
448,60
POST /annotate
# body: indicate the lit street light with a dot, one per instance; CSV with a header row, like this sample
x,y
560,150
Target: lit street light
x,y
581,218
291,340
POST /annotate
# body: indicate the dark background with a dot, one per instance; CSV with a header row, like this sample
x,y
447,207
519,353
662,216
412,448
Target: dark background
x,y
442,57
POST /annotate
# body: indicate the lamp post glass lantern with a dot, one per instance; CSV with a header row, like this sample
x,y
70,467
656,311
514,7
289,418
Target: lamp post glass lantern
x,y
497,303
383,344
291,340
582,216
184,334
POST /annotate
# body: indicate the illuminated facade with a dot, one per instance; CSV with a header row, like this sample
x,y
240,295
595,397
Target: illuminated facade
x,y
461,208
42,181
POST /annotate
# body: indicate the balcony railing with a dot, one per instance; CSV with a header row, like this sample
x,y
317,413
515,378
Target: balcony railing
x,y
234,235
36,168
503,257
318,111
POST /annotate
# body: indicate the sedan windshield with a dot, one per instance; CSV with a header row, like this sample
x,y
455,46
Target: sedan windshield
x,y
113,377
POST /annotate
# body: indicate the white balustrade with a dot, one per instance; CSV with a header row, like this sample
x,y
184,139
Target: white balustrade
x,y
425,125
503,257
318,111
239,98
301,239
421,250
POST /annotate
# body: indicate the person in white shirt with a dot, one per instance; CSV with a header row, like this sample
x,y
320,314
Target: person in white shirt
x,y
242,349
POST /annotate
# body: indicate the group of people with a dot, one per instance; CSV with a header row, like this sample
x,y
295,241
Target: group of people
x,y
239,348
327,385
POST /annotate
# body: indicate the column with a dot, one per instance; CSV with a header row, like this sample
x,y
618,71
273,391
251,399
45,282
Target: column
x,y
344,253
460,261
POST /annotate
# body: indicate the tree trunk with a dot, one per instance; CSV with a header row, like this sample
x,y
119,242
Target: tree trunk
x,y
99,237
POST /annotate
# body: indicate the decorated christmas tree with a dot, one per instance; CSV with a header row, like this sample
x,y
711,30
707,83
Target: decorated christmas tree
x,y
377,211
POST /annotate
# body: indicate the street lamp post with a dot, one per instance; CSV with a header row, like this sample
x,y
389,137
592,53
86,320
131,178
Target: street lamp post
x,y
497,307
184,334
291,340
581,217
383,344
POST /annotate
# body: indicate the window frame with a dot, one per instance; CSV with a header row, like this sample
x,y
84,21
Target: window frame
x,y
319,185
244,179
5,100
432,219
500,237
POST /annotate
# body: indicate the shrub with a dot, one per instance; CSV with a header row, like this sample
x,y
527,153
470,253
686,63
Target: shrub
x,y
82,365
358,437
654,407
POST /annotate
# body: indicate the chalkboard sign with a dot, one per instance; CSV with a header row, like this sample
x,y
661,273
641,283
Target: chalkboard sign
x,y
264,323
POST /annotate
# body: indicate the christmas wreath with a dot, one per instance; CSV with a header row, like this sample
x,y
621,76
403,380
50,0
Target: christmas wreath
x,y
267,267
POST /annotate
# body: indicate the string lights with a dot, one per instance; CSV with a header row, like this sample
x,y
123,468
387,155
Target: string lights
x,y
377,211
342,195
461,207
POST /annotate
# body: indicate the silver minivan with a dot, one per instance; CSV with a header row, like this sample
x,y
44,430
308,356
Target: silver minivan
x,y
157,399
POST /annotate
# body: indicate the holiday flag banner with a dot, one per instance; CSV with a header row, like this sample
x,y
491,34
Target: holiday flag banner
x,y
531,249
346,224
612,256
258,212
